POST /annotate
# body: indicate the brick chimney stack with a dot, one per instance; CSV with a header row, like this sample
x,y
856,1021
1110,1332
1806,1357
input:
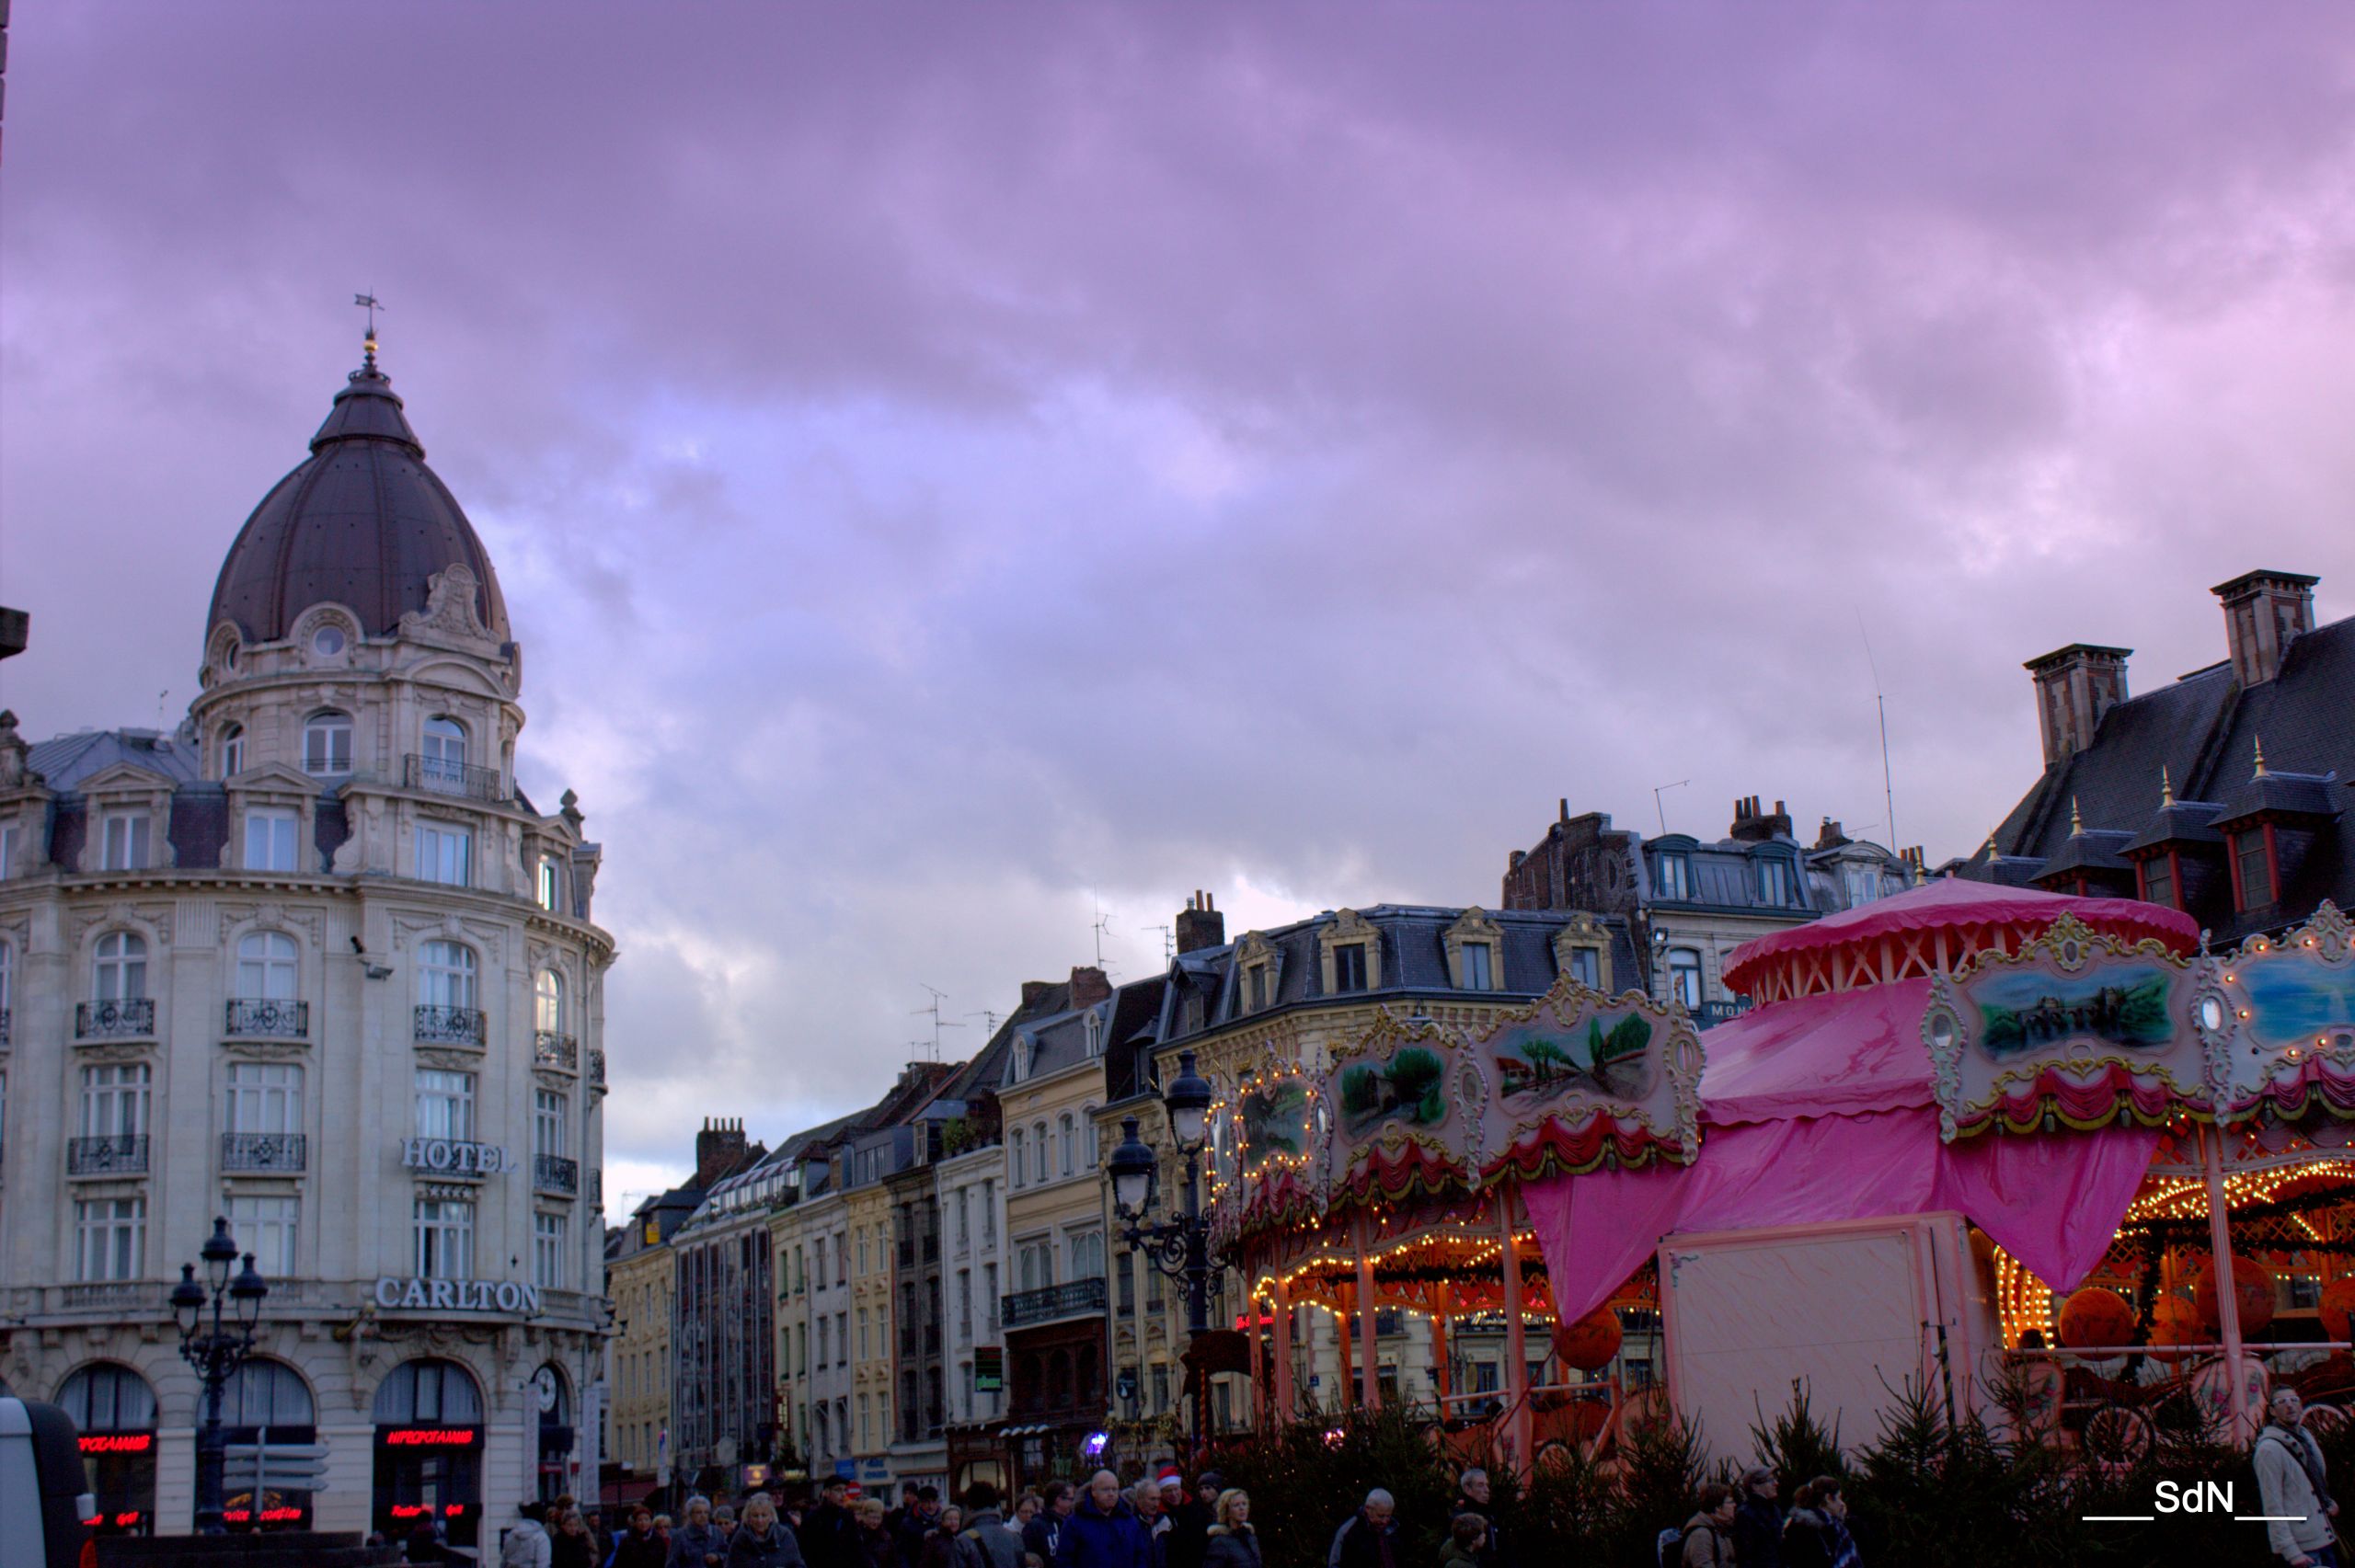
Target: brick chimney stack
x,y
2075,686
2263,614
1752,826
1088,986
1199,924
719,1147
1035,992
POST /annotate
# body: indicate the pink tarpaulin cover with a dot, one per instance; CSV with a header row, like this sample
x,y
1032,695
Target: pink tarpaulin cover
x,y
2053,1203
1843,1053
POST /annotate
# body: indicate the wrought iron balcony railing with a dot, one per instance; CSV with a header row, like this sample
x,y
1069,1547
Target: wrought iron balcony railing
x,y
1073,1299
3,1028
559,1051
267,1018
597,1070
264,1152
109,1155
115,1018
555,1174
449,1025
439,776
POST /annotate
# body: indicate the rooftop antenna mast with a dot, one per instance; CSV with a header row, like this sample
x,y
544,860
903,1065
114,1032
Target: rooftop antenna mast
x,y
1103,926
938,1022
1880,708
1168,943
161,698
1659,790
988,1018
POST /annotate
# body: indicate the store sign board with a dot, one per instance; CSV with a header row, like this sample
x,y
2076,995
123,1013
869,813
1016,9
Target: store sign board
x,y
988,1369
457,1296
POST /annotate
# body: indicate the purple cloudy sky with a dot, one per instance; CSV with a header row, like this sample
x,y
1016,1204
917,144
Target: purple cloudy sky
x,y
951,465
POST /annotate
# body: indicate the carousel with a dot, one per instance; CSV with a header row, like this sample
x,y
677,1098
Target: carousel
x,y
1966,1136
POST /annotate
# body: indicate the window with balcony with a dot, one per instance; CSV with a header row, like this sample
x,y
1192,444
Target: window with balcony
x,y
327,744
1685,976
1088,1256
1673,877
547,1250
109,1238
119,974
271,839
441,762
114,1099
548,1003
261,1118
550,1115
1479,967
233,751
445,853
445,1105
1348,966
445,1238
445,993
268,967
267,1227
123,842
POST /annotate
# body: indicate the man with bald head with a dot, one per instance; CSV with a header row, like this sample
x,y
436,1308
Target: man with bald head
x,y
1104,1530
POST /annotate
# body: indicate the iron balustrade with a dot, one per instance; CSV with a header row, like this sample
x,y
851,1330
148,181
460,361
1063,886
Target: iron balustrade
x,y
450,1026
264,1152
555,1174
437,775
115,1018
108,1154
112,1295
3,1028
597,1070
1074,1298
267,1018
552,1050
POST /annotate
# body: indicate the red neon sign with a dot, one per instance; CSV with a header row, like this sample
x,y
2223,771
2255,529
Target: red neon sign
x,y
425,1511
121,1521
119,1443
281,1516
430,1437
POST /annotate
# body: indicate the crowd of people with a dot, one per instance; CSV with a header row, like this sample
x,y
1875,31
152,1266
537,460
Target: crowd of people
x,y
1158,1522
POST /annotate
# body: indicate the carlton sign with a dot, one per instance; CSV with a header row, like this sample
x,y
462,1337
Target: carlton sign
x,y
459,1294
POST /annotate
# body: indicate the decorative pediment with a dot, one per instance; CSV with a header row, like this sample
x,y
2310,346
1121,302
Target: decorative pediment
x,y
1350,929
1475,926
1584,932
274,779
1258,971
481,933
117,779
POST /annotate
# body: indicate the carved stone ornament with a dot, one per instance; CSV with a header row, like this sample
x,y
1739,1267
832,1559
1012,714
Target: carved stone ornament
x,y
13,750
448,605
443,1059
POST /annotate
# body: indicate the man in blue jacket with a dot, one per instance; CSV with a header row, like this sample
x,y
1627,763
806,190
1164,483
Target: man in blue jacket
x,y
1104,1531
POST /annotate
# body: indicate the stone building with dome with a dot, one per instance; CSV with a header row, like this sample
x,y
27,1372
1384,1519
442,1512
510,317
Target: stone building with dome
x,y
313,962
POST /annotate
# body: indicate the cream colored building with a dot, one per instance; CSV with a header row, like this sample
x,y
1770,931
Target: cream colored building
x,y
866,1209
313,962
639,1279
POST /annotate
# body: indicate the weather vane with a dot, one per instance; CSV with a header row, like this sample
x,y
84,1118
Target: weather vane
x,y
372,304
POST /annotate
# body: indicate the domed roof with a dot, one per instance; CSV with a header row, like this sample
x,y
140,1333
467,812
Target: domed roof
x,y
361,522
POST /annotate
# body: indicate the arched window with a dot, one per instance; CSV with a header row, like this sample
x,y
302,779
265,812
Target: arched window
x,y
327,744
106,1396
442,765
267,1393
1038,1151
233,751
1021,1057
121,972
1685,976
548,1003
428,1392
445,975
266,967
1067,1139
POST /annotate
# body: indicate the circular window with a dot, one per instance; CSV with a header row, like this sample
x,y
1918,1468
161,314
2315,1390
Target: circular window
x,y
328,641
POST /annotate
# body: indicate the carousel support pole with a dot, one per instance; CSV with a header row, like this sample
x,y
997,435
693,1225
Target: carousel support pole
x,y
2220,1249
1442,1299
1284,1409
1341,1331
1516,1349
1369,1359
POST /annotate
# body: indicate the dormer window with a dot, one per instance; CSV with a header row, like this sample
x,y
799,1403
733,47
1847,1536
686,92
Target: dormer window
x,y
233,751
1021,1061
1673,875
2253,867
1774,880
1348,966
549,896
2158,873
124,845
1094,1025
1480,968
1258,987
326,745
1586,966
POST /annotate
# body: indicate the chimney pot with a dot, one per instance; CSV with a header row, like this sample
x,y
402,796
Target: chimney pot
x,y
2263,614
1200,925
2074,687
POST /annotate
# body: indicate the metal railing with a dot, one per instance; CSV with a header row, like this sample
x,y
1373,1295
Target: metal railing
x,y
264,1152
109,1155
555,1173
597,1070
1074,1298
249,1017
437,775
111,1295
3,1028
115,1018
450,1026
552,1050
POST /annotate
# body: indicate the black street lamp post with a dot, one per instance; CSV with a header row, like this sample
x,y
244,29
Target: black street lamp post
x,y
1179,1246
216,1352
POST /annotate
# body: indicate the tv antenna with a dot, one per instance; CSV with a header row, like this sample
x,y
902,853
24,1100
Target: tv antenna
x,y
1168,943
1659,790
938,1022
1103,927
988,1018
1880,708
161,698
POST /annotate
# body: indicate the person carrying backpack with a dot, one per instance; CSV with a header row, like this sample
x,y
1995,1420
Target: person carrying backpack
x,y
985,1543
1706,1539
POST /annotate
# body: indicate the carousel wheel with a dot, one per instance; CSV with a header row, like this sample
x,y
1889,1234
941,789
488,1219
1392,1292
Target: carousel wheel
x,y
2325,1421
2116,1439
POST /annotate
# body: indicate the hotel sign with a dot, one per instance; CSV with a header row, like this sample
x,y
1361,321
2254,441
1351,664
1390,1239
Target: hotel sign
x,y
455,1157
459,1294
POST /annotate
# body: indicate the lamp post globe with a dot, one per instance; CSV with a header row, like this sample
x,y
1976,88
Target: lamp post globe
x,y
1131,1169
216,1349
1189,1099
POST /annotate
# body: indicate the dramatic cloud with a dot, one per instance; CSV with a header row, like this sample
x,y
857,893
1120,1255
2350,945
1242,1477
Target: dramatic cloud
x,y
950,465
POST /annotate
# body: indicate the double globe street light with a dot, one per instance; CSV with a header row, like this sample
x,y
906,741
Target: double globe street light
x,y
216,1352
1178,1246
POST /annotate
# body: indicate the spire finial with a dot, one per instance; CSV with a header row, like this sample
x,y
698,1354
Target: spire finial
x,y
1992,853
2260,758
371,304
2076,823
2166,788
